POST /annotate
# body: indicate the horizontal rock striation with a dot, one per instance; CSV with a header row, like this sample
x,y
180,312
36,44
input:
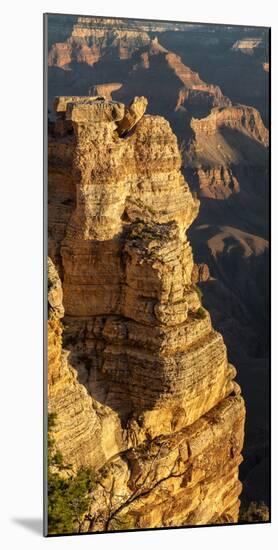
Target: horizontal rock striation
x,y
217,183
238,117
195,91
85,433
89,42
183,89
228,152
136,334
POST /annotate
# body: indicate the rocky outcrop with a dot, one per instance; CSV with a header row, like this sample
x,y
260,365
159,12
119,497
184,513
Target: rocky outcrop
x,y
191,91
217,183
200,273
239,117
94,42
90,40
85,431
266,67
105,90
195,90
248,45
133,113
142,346
226,146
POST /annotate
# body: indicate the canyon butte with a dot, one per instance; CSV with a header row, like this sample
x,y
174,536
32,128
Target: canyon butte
x,y
138,377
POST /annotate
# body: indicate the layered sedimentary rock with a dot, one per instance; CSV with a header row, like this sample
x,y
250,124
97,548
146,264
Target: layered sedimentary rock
x,y
248,45
143,347
217,183
125,52
239,117
229,149
84,431
90,40
195,90
183,89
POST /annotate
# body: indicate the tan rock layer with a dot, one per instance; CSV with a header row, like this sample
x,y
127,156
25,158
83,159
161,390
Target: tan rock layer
x,y
217,183
187,478
83,432
138,338
87,44
238,117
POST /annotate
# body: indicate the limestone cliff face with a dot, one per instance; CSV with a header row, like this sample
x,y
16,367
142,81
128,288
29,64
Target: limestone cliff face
x,y
90,40
195,90
84,431
228,150
183,88
239,117
154,395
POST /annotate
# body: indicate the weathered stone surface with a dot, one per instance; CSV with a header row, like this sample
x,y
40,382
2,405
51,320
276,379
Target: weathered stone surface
x,y
163,399
217,183
188,478
61,102
90,41
200,273
194,89
239,117
86,431
229,149
95,111
133,113
55,293
105,90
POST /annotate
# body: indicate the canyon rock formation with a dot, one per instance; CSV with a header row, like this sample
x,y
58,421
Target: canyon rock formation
x,y
139,378
229,146
248,45
90,40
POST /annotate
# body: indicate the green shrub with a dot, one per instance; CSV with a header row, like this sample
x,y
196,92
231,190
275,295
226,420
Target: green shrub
x,y
201,313
68,493
256,512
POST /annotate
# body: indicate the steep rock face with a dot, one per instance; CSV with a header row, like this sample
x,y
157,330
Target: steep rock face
x,y
139,339
90,40
125,52
239,117
84,431
217,183
227,146
184,87
195,90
